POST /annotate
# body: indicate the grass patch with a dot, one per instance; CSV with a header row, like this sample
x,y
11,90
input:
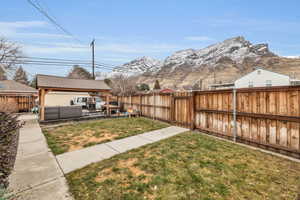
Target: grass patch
x,y
77,136
188,166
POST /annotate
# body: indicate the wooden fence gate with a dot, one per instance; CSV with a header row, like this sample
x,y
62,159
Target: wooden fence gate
x,y
182,106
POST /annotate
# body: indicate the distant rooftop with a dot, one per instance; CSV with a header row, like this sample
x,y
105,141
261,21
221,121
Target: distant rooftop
x,y
47,81
10,86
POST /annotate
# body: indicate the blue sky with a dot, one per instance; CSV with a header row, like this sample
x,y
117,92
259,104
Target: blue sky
x,y
125,30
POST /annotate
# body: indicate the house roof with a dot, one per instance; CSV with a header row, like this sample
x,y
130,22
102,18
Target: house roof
x,y
10,86
58,82
167,90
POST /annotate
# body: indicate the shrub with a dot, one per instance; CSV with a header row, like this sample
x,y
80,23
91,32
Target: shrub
x,y
4,194
9,107
9,126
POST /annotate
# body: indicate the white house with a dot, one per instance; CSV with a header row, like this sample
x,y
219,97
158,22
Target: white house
x,y
259,78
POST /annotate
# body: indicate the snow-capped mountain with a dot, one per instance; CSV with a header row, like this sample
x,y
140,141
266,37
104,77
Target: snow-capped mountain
x,y
218,63
236,49
139,66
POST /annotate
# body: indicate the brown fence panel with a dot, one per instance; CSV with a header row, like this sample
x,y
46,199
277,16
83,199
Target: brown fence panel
x,y
265,117
24,103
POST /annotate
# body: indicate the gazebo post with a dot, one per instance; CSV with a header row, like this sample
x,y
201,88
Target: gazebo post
x,y
107,104
42,104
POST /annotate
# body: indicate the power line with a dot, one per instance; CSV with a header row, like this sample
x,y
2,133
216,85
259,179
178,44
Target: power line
x,y
53,21
63,61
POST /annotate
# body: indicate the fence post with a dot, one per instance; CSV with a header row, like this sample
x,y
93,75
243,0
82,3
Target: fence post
x,y
140,105
172,108
153,105
130,101
234,115
192,107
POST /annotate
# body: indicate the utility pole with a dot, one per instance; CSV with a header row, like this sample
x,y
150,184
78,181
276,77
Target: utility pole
x,y
93,58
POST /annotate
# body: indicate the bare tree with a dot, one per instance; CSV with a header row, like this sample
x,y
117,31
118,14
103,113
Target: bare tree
x,y
10,54
2,75
123,85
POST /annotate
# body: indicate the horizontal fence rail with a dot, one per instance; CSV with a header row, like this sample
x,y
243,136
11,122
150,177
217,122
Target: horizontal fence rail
x,y
264,117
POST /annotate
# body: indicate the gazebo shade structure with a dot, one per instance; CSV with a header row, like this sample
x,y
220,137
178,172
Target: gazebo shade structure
x,y
47,83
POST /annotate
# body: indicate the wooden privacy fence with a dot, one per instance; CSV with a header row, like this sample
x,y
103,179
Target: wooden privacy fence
x,y
23,103
264,117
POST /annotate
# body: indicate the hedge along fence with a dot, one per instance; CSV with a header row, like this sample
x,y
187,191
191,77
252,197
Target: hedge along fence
x,y
9,126
265,117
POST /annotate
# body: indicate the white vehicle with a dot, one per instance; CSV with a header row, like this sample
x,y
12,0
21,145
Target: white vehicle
x,y
88,102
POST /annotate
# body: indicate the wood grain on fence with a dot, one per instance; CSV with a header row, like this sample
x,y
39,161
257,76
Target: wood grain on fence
x,y
266,117
23,103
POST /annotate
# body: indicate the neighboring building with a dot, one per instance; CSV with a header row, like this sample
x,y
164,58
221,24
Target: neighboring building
x,y
262,78
166,90
258,78
22,96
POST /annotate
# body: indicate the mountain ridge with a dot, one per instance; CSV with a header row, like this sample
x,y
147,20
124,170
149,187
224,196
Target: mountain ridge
x,y
218,63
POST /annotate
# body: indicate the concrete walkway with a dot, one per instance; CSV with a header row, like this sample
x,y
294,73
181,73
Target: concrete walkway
x,y
36,174
77,159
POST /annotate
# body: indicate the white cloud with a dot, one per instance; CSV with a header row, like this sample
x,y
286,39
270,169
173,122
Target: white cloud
x,y
40,49
23,24
41,35
136,48
64,47
16,30
292,56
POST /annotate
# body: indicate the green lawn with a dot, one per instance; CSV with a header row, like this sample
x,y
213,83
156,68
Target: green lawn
x,y
188,166
77,136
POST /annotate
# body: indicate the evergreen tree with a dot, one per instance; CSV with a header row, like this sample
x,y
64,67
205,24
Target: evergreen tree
x,y
78,72
156,85
108,82
33,82
143,87
21,76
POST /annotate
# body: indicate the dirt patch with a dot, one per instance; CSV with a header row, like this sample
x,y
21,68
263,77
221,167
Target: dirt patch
x,y
129,164
103,175
87,137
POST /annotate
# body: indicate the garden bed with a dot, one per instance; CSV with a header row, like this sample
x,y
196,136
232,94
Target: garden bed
x,y
72,137
188,166
9,129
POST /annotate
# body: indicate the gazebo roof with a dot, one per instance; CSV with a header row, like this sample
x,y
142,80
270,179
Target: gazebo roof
x,y
69,84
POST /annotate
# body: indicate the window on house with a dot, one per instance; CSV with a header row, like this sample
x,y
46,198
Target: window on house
x,y
250,84
268,83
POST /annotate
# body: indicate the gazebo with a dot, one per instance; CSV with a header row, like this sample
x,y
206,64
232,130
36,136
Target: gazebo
x,y
47,83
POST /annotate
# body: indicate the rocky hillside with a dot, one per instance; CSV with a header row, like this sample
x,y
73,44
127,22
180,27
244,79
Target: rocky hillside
x,y
219,63
139,66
